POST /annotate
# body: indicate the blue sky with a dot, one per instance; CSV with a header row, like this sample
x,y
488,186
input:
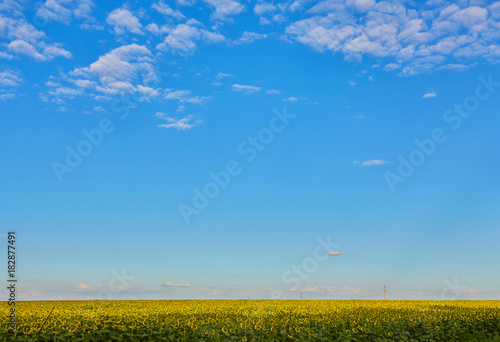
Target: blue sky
x,y
251,149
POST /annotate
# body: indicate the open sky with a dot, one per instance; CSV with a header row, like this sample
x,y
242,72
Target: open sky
x,y
251,149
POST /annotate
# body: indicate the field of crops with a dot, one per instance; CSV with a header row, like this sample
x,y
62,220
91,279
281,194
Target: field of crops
x,y
242,320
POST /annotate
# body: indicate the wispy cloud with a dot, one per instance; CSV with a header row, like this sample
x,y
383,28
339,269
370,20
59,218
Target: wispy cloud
x,y
247,89
273,92
373,162
249,37
172,284
222,75
183,38
291,99
428,95
184,96
343,291
7,96
182,124
162,8
10,78
211,290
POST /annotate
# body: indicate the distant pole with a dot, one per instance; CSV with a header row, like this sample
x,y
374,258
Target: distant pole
x,y
384,292
301,295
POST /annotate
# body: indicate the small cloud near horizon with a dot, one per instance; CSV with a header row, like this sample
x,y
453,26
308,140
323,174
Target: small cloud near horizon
x,y
171,284
429,95
373,162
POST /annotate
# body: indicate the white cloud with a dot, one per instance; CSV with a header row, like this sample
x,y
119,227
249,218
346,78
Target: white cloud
x,y
163,8
186,2
495,10
7,96
247,89
352,83
413,37
171,284
184,96
454,67
147,93
359,117
152,28
99,109
392,66
63,11
24,48
223,10
82,83
42,52
120,67
249,37
126,69
291,99
264,8
222,75
183,38
12,6
183,124
344,290
318,288
470,16
10,78
373,162
122,21
52,10
427,95
99,287
273,92
361,5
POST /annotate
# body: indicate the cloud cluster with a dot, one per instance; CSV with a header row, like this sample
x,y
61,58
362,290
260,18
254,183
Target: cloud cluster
x,y
63,11
126,69
23,39
411,38
183,38
271,13
182,124
9,79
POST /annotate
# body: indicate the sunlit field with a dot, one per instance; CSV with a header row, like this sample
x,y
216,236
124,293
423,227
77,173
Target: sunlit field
x,y
255,320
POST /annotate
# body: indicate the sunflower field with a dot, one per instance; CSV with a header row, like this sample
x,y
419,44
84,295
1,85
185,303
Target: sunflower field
x,y
253,320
